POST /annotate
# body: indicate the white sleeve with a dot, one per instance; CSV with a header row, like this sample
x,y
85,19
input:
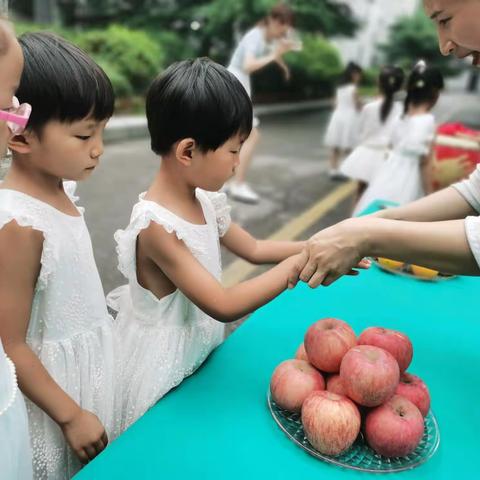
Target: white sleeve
x,y
472,230
222,211
470,189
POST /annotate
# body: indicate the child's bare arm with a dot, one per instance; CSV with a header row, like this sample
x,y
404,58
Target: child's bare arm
x,y
224,304
244,245
20,254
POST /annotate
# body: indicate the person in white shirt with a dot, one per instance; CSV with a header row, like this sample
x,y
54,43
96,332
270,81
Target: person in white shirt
x,y
265,43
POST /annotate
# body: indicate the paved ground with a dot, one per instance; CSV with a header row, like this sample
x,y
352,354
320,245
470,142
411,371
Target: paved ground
x,y
289,173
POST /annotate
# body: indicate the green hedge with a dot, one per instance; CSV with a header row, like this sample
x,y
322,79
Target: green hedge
x,y
131,58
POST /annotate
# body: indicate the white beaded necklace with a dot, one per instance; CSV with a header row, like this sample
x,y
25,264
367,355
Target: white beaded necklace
x,y
13,378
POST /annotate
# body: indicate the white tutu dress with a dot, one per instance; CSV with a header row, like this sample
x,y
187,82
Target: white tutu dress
x,y
374,138
399,179
69,329
15,451
164,340
341,130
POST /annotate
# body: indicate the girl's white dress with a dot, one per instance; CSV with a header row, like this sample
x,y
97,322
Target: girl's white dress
x,y
399,179
373,139
164,340
69,330
15,451
341,130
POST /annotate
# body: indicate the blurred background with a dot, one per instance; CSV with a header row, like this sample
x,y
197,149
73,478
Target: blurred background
x,y
133,40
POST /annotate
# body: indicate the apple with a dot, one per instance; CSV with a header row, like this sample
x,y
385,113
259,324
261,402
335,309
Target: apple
x,y
395,428
301,354
397,343
369,375
414,389
331,422
334,384
292,381
327,341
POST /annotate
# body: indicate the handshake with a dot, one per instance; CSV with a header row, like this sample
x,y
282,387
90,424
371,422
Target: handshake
x,y
331,253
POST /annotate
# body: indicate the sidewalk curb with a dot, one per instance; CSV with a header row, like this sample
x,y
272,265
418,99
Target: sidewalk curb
x,y
126,127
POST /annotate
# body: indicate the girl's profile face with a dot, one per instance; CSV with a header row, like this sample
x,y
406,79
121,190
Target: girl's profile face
x,y
457,23
11,66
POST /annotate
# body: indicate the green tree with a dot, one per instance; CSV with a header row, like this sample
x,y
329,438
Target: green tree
x,y
413,38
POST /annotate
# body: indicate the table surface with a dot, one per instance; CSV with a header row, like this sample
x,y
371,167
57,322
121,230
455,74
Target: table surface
x,y
217,425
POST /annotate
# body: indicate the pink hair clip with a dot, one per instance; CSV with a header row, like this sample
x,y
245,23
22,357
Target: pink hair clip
x,y
17,116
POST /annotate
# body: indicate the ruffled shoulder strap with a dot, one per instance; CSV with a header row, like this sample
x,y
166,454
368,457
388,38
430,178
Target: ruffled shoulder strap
x,y
143,213
30,212
221,209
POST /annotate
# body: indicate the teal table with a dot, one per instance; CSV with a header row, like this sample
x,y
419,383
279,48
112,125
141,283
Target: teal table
x,y
217,425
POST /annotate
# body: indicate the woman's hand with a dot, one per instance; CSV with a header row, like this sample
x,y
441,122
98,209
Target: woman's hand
x,y
330,254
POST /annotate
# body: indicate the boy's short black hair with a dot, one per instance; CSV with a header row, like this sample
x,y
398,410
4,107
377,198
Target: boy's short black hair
x,y
197,99
61,82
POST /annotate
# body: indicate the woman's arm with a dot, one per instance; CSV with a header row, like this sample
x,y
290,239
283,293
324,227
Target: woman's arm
x,y
176,261
252,64
245,246
446,204
20,254
333,251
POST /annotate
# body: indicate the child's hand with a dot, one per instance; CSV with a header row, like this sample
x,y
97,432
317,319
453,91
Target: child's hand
x,y
86,435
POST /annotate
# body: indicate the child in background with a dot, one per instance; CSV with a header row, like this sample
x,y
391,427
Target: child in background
x,y
55,323
340,136
375,130
15,451
406,174
172,313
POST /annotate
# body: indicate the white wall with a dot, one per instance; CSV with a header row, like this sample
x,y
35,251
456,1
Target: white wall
x,y
376,17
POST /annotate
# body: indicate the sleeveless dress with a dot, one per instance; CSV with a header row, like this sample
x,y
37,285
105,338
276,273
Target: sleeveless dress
x,y
15,451
374,139
69,330
343,122
162,341
399,179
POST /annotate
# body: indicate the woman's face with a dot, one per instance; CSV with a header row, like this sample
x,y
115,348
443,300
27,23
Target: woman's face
x,y
458,26
277,29
11,66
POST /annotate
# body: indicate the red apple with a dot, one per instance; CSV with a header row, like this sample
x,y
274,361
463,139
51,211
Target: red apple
x,y
301,353
327,341
292,381
331,422
398,344
369,375
335,385
413,388
395,428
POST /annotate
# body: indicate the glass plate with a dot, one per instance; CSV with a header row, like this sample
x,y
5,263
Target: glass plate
x,y
360,456
405,272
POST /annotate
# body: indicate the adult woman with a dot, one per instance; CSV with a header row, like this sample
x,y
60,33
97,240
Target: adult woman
x,y
265,43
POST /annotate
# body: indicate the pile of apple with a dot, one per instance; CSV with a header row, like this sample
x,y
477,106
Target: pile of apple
x,y
341,383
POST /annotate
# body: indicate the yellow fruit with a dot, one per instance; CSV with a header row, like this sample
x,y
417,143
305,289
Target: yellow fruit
x,y
392,264
424,272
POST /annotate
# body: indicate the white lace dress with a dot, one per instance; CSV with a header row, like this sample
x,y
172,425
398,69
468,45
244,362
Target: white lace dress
x,y
164,340
373,137
341,130
399,179
69,329
15,451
